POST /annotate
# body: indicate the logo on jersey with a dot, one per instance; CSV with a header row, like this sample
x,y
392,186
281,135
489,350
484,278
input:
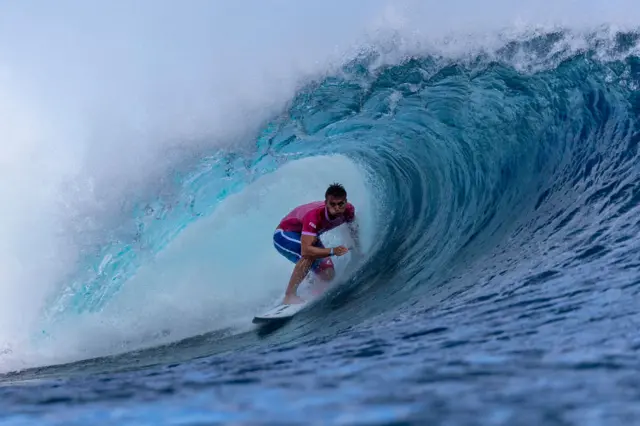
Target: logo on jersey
x,y
313,225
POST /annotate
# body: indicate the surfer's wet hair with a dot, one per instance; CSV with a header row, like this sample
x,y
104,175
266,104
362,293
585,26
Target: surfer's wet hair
x,y
336,190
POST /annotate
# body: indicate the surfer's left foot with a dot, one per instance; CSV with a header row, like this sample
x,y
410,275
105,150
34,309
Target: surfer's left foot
x,y
292,299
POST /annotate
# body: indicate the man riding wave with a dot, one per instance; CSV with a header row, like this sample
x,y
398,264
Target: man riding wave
x,y
297,237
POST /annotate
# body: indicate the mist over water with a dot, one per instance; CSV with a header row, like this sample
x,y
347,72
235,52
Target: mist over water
x,y
148,150
103,101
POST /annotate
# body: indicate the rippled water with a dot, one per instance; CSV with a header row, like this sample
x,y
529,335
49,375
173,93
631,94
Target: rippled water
x,y
501,282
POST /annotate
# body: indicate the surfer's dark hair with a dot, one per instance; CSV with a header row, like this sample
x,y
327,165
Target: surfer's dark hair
x,y
336,190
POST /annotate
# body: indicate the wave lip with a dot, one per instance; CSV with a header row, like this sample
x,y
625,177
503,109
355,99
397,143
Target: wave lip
x,y
471,167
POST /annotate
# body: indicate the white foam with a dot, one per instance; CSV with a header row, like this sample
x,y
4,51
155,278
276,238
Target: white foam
x,y
218,273
98,101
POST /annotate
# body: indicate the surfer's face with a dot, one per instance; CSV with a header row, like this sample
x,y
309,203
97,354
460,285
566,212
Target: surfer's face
x,y
335,206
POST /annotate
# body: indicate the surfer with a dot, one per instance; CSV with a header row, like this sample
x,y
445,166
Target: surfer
x,y
296,238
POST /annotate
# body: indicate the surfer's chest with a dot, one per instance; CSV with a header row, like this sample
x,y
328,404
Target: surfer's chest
x,y
326,224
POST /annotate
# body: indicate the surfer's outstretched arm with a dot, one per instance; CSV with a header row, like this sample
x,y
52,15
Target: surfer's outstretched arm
x,y
310,251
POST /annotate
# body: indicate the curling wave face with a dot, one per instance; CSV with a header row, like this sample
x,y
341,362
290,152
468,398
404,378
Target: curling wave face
x,y
481,180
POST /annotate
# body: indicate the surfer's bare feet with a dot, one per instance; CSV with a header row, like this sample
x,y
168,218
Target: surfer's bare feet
x,y
292,299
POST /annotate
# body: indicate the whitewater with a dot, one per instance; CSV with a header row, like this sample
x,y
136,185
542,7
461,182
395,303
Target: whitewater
x,y
148,151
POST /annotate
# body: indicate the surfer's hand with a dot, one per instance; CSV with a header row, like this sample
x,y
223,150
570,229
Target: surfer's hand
x,y
340,250
292,299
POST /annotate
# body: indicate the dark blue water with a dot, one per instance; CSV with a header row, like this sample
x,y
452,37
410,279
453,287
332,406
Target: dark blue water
x,y
501,286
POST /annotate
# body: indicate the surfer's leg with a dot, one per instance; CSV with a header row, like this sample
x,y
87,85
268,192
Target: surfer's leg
x,y
323,268
288,244
300,271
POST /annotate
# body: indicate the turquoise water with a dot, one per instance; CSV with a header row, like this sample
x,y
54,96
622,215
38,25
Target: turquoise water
x,y
498,198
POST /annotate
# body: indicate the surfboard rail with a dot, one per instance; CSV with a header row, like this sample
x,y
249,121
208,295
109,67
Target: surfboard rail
x,y
279,313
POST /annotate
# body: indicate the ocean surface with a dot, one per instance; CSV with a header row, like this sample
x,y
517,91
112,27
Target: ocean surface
x,y
498,196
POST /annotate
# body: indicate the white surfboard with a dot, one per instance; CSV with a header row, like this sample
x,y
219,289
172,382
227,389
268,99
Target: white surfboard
x,y
279,313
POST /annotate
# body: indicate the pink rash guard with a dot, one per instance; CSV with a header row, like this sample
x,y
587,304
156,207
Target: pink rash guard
x,y
313,219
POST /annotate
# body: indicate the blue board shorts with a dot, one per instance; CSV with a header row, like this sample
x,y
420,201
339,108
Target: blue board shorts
x,y
288,244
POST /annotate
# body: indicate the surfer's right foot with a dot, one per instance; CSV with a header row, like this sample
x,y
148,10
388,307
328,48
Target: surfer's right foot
x,y
292,299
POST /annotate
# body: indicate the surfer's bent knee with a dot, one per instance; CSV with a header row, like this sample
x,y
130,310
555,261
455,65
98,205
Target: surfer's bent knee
x,y
327,274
